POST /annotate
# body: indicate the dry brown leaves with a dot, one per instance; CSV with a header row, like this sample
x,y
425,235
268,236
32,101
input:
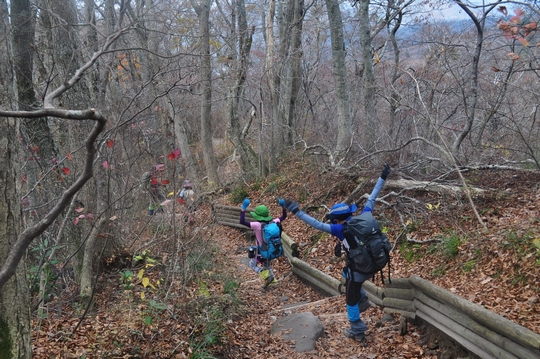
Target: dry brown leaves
x,y
497,270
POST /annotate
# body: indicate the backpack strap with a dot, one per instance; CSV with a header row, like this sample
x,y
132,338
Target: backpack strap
x,y
389,261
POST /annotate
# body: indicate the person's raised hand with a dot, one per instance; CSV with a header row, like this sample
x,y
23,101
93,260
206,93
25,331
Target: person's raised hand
x,y
281,203
291,206
245,204
385,172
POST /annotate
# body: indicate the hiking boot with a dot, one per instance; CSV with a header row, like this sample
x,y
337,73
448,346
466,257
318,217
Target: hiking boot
x,y
270,281
264,274
364,304
358,337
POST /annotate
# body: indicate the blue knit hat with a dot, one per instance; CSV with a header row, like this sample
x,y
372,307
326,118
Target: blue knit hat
x,y
341,211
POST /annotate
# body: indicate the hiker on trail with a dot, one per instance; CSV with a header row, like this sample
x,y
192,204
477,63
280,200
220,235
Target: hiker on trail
x,y
150,184
187,197
340,214
258,263
187,193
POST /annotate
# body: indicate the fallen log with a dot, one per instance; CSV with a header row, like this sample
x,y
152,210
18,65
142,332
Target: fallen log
x,y
428,186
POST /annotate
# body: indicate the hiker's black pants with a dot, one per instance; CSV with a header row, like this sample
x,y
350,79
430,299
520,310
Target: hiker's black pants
x,y
353,285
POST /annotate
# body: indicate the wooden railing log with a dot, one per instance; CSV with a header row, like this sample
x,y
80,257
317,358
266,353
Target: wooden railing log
x,y
316,276
307,275
399,293
374,299
292,244
459,333
398,283
410,315
487,333
236,225
236,215
463,341
401,304
507,328
377,292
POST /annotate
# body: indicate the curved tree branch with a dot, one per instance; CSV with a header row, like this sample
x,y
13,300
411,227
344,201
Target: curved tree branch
x,y
26,237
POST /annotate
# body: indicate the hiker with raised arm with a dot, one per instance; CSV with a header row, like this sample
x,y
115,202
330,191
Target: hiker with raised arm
x,y
268,237
366,249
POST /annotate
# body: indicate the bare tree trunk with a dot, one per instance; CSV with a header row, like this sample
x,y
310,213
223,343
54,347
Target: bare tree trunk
x,y
15,339
149,39
101,188
344,120
37,135
91,248
472,99
294,72
283,76
203,13
183,143
61,18
271,79
394,95
370,134
248,157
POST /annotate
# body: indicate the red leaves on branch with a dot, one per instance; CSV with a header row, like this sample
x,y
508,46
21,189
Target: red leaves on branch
x,y
164,182
174,154
66,170
110,143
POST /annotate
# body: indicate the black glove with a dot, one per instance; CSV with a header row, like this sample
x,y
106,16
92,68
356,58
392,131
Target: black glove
x,y
291,206
337,249
385,172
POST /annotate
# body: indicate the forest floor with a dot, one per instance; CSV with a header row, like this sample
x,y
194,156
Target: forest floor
x,y
498,268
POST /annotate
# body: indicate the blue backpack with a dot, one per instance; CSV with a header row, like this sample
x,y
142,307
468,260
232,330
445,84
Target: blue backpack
x,y
271,247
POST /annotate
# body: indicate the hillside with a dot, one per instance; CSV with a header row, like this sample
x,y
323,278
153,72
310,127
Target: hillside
x,y
499,269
